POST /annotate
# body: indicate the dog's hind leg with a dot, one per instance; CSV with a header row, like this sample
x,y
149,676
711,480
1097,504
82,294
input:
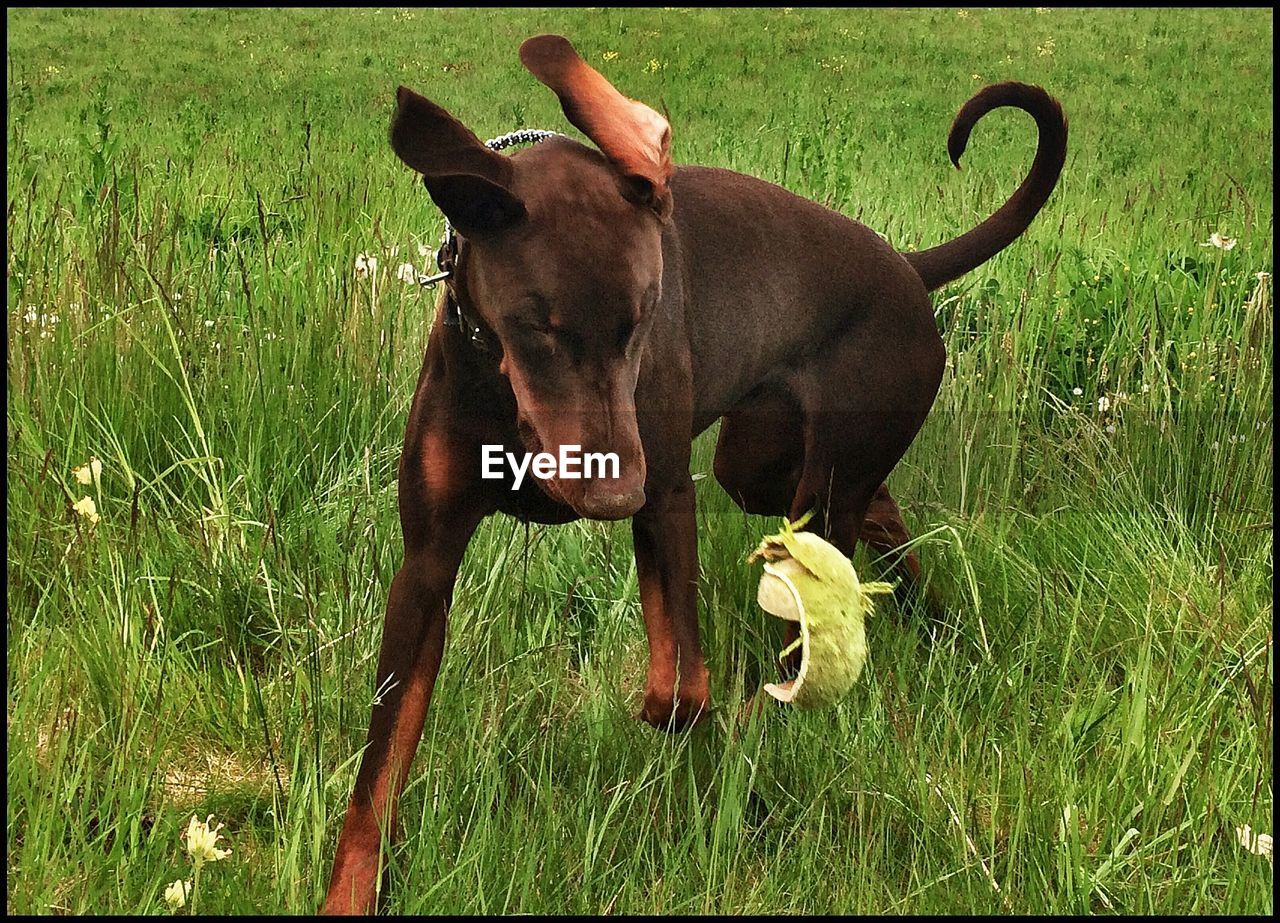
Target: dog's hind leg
x,y
760,455
759,452
885,534
758,462
861,412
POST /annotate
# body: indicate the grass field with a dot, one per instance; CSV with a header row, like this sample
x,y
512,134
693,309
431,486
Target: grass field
x,y
188,192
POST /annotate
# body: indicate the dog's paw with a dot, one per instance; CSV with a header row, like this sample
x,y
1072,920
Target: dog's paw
x,y
679,712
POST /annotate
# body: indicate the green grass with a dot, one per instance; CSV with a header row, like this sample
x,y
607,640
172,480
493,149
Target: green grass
x,y
187,193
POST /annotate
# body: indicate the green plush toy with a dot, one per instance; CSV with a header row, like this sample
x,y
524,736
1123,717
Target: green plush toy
x,y
808,580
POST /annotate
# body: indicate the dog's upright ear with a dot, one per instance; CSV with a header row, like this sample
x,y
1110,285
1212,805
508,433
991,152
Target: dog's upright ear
x,y
470,183
636,139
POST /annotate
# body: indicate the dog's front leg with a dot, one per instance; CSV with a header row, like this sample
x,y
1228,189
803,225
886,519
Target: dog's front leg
x,y
436,536
677,692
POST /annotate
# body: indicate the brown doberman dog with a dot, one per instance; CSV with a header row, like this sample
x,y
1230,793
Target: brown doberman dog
x,y
620,304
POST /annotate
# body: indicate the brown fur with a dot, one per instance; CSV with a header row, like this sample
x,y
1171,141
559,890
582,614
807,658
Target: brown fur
x,y
629,304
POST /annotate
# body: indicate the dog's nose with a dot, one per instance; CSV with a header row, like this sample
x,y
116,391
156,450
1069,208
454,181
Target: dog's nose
x,y
611,500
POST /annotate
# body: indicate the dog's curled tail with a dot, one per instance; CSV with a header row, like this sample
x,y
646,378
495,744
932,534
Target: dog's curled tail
x,y
939,265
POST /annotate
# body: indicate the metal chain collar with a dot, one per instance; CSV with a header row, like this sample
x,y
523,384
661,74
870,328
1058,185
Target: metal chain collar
x,y
449,242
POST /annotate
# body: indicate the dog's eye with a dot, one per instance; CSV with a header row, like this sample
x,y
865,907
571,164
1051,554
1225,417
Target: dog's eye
x,y
533,339
541,341
524,326
541,345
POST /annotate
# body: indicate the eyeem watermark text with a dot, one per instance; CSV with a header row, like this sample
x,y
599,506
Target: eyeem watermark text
x,y
571,464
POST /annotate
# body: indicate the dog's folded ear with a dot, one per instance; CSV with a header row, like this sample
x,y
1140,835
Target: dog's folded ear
x,y
636,139
470,183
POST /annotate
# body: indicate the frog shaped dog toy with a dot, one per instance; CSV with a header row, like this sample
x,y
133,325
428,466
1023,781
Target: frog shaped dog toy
x,y
807,580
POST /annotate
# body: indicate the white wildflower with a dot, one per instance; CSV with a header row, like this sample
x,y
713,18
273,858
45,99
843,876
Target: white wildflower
x,y
177,893
89,472
201,841
1257,843
88,509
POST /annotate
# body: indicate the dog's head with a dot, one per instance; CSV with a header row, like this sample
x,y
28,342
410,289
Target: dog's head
x,y
560,257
